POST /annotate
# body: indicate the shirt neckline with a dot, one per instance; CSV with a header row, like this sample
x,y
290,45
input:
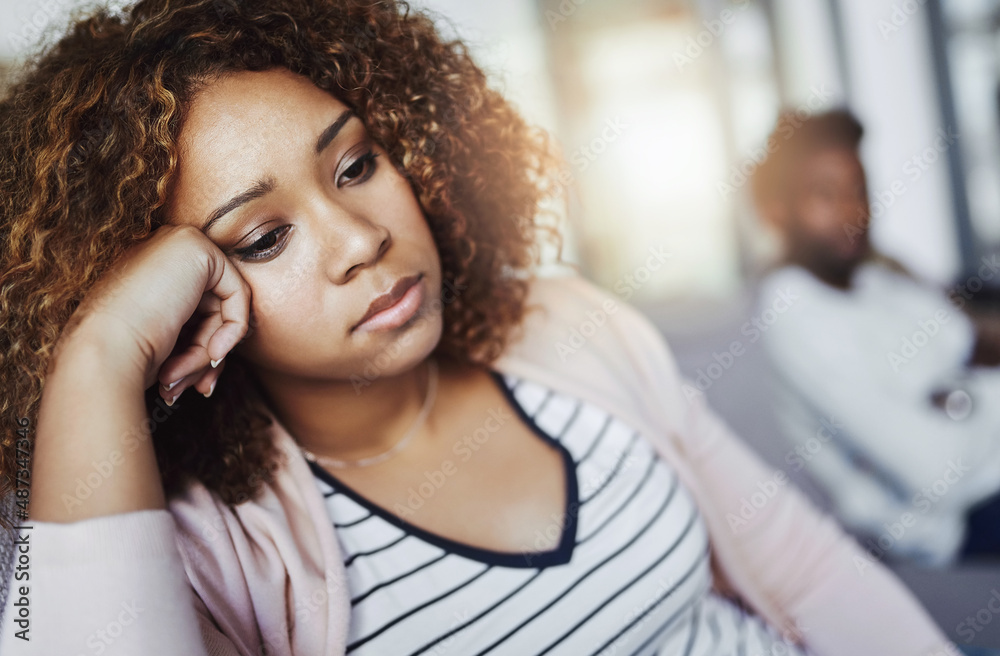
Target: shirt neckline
x,y
559,555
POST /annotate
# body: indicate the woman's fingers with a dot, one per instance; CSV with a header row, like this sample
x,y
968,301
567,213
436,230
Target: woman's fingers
x,y
202,380
194,357
174,389
234,295
206,384
218,324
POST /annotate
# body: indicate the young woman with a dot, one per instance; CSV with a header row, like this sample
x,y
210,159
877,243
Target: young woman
x,y
290,386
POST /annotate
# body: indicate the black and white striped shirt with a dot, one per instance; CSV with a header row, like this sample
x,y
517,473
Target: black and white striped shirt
x,y
630,574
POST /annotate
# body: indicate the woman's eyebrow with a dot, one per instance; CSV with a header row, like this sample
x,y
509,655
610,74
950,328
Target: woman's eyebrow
x,y
331,132
260,188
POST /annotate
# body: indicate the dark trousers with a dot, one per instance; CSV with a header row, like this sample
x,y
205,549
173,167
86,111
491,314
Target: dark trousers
x,y
982,537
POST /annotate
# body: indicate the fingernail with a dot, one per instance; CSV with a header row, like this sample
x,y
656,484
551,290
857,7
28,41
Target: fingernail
x,y
215,363
170,386
172,399
211,389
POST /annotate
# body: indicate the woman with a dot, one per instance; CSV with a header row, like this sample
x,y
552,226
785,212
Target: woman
x,y
317,216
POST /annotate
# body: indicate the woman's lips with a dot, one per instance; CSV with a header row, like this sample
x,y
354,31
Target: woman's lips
x,y
395,307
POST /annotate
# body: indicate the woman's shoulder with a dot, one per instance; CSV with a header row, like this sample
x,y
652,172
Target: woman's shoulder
x,y
567,299
592,343
566,288
201,513
245,556
568,315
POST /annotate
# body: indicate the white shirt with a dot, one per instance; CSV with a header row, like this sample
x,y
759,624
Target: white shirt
x,y
630,574
856,371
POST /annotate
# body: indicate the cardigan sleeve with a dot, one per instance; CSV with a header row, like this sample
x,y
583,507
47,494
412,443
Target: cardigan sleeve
x,y
837,598
112,585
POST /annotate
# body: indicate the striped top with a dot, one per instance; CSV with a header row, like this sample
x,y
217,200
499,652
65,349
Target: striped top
x,y
630,574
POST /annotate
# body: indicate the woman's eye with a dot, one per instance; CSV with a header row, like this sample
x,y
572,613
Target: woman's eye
x,y
363,166
263,247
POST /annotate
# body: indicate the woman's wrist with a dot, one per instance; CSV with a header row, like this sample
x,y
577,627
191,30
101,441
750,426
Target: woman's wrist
x,y
93,452
104,346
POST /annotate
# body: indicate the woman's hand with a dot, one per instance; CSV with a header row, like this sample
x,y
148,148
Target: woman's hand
x,y
173,304
166,308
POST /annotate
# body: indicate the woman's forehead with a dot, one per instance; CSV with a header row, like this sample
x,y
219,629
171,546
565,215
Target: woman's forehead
x,y
271,97
243,127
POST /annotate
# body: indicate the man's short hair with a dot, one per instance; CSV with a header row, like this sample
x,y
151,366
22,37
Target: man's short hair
x,y
795,137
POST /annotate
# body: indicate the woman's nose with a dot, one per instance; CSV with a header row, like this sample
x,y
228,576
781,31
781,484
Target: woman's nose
x,y
353,244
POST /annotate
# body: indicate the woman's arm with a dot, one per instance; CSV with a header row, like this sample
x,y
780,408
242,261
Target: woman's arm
x,y
839,598
101,569
93,451
987,350
112,585
796,559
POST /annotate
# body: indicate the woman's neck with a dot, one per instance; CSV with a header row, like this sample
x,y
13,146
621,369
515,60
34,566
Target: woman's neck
x,y
347,420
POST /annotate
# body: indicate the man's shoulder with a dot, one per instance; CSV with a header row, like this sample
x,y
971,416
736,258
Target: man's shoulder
x,y
788,274
792,286
884,277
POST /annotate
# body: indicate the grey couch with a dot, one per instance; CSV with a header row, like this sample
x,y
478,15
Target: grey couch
x,y
742,397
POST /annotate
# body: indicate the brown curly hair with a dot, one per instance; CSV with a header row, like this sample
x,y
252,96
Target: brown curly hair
x,y
88,147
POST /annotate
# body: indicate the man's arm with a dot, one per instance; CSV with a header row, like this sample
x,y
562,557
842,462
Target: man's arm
x,y
987,349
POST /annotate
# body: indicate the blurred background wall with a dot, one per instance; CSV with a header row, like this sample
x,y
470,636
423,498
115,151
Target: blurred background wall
x,y
690,90
662,108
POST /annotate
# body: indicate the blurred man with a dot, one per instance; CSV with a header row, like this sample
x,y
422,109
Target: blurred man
x,y
887,389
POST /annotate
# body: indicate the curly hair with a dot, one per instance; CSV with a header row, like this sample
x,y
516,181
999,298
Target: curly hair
x,y
88,148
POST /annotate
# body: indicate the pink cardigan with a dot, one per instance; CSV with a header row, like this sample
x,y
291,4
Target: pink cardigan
x,y
200,579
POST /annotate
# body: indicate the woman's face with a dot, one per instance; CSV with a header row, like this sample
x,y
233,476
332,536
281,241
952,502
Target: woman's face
x,y
316,226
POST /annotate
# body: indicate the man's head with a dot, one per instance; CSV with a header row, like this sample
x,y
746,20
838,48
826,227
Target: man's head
x,y
812,189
